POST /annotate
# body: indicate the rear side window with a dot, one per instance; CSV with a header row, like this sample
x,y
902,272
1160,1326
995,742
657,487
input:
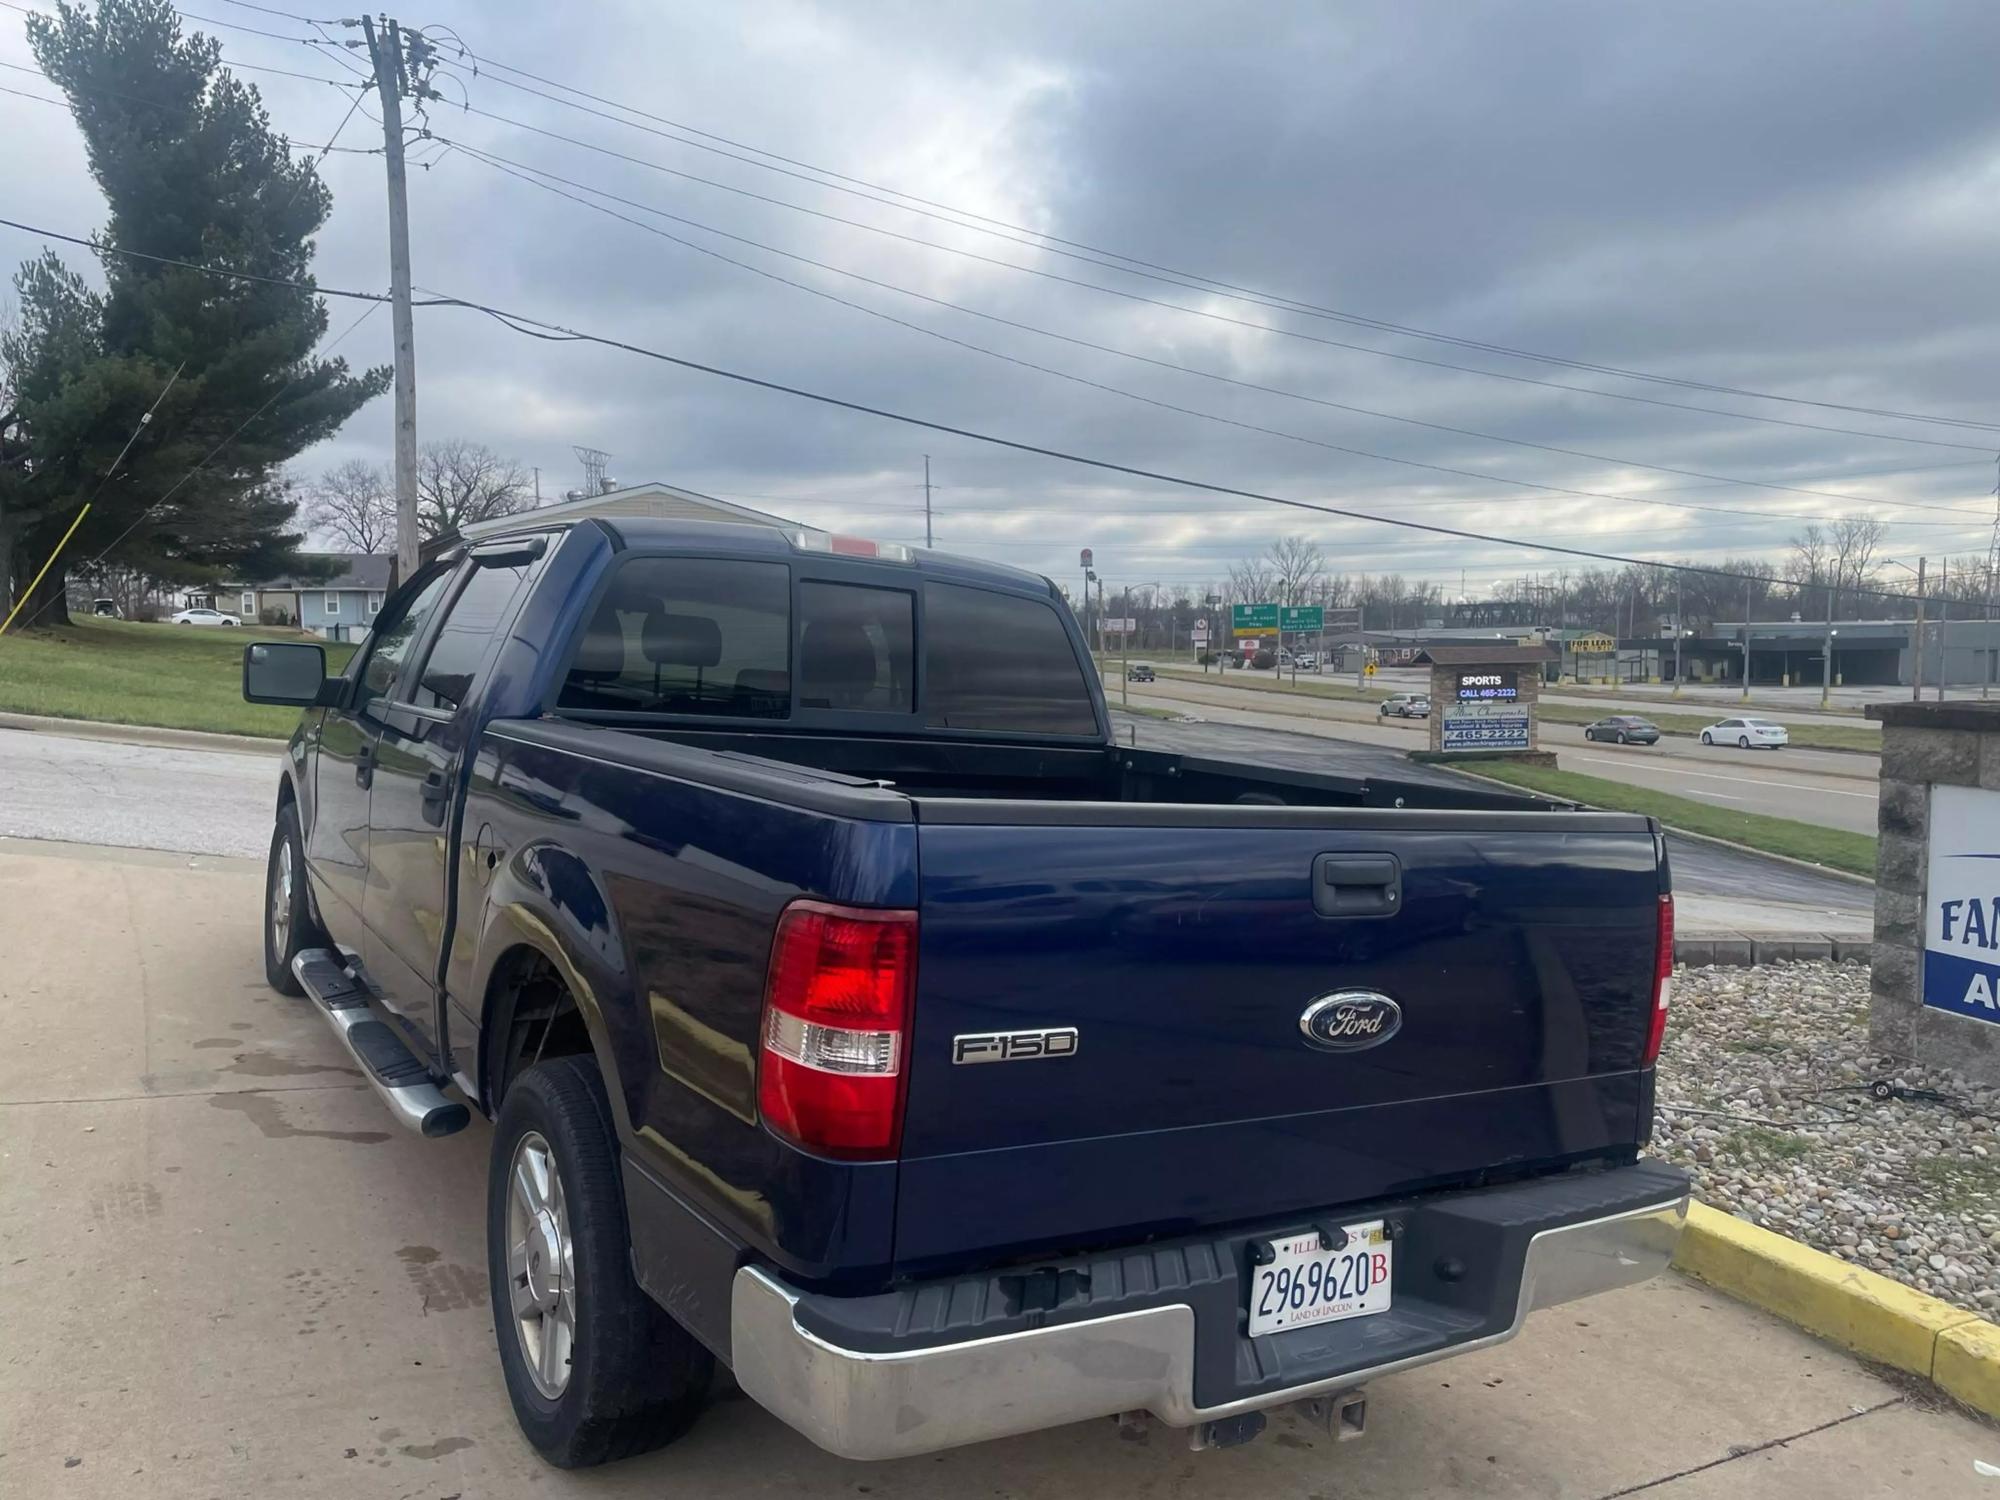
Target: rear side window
x,y
462,640
1002,662
679,635
857,648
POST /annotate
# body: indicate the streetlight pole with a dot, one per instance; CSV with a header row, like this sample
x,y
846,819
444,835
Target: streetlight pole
x,y
1826,656
1917,633
1679,635
1746,641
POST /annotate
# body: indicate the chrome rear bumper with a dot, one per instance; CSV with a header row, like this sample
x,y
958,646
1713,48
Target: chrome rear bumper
x,y
891,1405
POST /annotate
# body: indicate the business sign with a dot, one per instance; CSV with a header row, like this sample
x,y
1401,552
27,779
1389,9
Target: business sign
x,y
1593,645
1482,723
1302,617
1201,632
1084,560
1121,626
1487,684
1253,619
1962,898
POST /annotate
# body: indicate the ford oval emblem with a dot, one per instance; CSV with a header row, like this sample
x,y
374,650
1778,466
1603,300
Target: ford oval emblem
x,y
1350,1021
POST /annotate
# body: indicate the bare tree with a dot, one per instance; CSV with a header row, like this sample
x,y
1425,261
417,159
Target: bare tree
x,y
1298,568
1854,540
1252,581
460,483
355,502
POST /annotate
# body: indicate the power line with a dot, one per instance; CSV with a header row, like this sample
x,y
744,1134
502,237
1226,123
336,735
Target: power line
x,y
1132,265
549,332
100,248
557,333
918,240
521,173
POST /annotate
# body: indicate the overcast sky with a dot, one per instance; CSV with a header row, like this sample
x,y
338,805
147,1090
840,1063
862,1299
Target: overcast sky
x,y
1788,198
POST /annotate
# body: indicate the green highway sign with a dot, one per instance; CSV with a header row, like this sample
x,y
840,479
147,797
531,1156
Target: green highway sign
x,y
1304,617
1249,617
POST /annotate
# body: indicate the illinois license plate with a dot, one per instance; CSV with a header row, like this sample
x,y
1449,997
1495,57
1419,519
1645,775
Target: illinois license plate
x,y
1305,1283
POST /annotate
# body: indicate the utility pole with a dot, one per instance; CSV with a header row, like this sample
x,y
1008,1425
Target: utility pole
x,y
538,487
1917,659
386,52
927,501
1826,654
1944,620
1680,633
1992,556
1746,641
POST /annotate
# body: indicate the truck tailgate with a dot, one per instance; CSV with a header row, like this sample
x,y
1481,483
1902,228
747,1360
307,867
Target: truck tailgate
x,y
1184,946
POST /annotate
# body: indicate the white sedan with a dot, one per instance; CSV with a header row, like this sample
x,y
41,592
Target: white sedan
x,y
1747,734
205,617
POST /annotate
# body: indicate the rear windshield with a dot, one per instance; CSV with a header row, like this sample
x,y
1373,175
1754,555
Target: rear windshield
x,y
715,637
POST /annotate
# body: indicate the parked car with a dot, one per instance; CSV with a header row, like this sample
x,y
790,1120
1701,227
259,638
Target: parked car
x,y
1138,672
1747,734
1406,706
106,609
1624,729
853,1010
200,616
1306,661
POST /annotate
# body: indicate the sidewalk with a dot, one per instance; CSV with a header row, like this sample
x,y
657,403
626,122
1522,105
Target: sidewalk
x,y
231,1274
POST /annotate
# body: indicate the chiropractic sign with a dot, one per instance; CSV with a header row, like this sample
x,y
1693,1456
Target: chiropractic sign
x,y
1962,916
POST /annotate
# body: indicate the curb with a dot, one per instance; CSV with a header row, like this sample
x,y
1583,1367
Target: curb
x,y
156,735
1703,950
1858,1309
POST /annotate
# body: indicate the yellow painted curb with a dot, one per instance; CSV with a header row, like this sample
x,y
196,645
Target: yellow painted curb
x,y
1968,1365
1876,1317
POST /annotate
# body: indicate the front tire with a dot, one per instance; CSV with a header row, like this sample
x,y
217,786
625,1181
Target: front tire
x,y
289,925
1707,738
595,1368
1621,736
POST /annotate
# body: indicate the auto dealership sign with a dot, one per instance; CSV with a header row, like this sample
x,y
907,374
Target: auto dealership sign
x,y
1962,900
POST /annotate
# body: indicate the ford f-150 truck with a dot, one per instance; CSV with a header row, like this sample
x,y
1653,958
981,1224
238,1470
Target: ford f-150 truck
x,y
853,1009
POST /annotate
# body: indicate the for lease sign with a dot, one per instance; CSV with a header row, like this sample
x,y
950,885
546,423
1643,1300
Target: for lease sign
x,y
1962,920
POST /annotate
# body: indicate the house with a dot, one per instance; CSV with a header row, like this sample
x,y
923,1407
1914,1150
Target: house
x,y
651,499
341,609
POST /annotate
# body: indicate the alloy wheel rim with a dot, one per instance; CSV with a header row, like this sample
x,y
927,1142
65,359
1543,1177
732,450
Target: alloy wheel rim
x,y
281,901
541,1265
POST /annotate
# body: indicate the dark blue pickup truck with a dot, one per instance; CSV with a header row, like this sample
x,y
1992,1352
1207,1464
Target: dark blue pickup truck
x,y
852,1009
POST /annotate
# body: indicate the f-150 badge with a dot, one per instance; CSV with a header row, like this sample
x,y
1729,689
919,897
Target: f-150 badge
x,y
1013,1046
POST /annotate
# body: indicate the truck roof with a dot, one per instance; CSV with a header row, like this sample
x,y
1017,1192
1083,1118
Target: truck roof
x,y
747,537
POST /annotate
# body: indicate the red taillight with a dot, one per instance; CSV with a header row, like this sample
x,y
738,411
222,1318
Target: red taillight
x,y
1663,983
836,1028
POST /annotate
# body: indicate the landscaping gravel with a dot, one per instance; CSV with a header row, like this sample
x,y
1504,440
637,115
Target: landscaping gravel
x,y
1764,1096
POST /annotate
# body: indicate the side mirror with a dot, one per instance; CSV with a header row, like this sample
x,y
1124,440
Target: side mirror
x,y
279,672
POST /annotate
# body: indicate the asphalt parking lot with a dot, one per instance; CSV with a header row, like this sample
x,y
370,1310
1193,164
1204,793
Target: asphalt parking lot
x,y
226,1273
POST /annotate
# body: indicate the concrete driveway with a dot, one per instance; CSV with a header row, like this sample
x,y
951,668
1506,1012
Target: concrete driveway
x,y
226,1274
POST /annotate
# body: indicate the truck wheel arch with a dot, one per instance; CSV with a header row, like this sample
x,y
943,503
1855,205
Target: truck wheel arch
x,y
535,1007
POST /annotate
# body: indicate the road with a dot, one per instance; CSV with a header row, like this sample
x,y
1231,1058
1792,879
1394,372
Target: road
x,y
228,1273
142,797
1828,788
1717,887
213,802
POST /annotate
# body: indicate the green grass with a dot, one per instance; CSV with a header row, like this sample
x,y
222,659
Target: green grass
x,y
1961,1184
1833,847
1141,709
1761,1140
123,672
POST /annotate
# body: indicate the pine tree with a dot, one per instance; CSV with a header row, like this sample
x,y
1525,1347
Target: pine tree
x,y
192,170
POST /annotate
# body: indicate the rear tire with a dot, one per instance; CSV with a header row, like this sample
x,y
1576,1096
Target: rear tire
x,y
633,1379
290,927
1621,736
1743,742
